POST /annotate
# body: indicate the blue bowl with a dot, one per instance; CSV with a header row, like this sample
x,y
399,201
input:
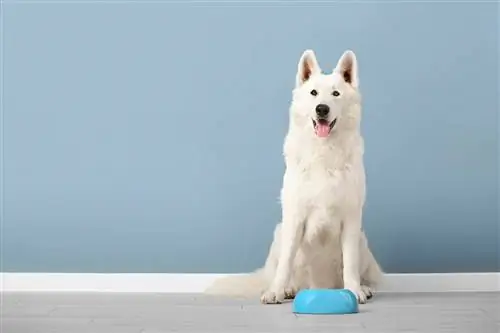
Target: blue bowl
x,y
325,301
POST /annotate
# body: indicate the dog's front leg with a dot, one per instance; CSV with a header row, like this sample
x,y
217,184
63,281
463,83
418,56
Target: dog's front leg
x,y
292,233
351,236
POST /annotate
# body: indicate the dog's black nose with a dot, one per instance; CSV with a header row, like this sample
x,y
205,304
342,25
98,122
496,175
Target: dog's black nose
x,y
322,110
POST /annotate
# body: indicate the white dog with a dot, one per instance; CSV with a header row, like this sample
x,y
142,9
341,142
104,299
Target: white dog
x,y
320,243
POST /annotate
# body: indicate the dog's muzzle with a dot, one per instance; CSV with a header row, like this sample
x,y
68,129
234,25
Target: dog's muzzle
x,y
322,127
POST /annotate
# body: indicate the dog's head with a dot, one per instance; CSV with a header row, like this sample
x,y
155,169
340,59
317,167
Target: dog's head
x,y
320,100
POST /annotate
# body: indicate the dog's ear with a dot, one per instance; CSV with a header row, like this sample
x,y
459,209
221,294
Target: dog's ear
x,y
308,65
348,68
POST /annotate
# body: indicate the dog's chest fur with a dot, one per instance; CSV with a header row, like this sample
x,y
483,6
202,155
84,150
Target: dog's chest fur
x,y
325,176
325,181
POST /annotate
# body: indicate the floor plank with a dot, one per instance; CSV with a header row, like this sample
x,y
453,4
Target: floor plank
x,y
154,313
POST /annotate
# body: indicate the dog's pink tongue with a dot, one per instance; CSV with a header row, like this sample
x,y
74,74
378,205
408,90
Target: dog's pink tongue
x,y
322,130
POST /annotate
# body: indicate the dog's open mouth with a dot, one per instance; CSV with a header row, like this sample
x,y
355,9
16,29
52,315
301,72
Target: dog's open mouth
x,y
322,127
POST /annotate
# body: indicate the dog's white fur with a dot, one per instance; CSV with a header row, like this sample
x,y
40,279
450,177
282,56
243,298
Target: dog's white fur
x,y
320,243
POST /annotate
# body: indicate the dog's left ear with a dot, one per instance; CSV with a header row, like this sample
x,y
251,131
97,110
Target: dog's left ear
x,y
308,66
348,68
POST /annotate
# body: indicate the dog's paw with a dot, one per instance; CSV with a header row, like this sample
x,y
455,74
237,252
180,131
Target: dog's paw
x,y
271,297
358,291
369,292
290,293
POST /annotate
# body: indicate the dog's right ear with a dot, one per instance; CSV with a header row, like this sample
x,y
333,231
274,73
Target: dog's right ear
x,y
308,66
347,66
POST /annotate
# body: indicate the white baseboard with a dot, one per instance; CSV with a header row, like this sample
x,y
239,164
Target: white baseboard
x,y
196,283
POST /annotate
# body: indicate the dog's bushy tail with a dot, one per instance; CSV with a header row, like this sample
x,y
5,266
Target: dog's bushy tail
x,y
241,285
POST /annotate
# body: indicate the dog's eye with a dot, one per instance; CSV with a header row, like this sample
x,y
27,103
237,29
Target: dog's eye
x,y
314,92
336,93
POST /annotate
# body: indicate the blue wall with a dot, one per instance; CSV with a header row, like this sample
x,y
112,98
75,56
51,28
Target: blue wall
x,y
147,137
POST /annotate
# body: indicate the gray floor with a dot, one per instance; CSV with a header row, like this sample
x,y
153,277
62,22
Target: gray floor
x,y
149,313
